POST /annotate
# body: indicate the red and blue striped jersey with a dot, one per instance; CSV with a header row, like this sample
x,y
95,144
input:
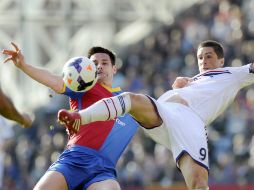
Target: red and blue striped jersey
x,y
108,137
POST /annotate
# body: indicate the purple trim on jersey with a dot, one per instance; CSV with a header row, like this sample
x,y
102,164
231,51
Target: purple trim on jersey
x,y
211,73
199,163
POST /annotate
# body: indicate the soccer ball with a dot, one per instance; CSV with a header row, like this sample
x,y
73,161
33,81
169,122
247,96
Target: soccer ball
x,y
79,74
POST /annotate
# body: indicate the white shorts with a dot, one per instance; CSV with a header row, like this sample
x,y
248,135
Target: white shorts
x,y
182,131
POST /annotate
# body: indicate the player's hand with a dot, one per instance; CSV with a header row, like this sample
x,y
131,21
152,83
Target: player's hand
x,y
14,55
181,82
27,121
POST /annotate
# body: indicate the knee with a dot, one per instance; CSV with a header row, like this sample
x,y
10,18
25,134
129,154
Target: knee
x,y
138,101
135,98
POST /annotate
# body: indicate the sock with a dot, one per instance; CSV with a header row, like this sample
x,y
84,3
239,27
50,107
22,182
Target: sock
x,y
106,109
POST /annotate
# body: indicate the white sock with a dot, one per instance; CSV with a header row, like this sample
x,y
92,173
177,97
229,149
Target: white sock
x,y
106,109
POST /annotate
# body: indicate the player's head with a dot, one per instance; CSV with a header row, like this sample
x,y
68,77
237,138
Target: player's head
x,y
210,55
105,60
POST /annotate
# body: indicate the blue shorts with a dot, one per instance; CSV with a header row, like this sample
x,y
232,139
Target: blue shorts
x,y
82,166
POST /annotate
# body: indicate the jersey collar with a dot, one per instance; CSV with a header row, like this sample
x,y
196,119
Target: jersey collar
x,y
116,89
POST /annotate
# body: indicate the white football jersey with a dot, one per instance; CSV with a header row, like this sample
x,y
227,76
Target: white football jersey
x,y
212,91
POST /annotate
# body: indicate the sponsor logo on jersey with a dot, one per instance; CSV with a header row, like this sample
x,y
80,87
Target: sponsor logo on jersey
x,y
120,122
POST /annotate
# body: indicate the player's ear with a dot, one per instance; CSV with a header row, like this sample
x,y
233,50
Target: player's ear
x,y
114,69
222,62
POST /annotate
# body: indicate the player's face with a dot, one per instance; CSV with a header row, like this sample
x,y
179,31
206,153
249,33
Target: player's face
x,y
208,59
105,69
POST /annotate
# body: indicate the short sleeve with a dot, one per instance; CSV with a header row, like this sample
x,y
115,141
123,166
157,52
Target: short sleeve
x,y
70,93
244,75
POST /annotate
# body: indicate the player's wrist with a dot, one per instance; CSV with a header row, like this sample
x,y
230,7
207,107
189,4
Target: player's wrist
x,y
22,65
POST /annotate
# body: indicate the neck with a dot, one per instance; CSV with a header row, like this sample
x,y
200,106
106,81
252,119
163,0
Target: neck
x,y
107,84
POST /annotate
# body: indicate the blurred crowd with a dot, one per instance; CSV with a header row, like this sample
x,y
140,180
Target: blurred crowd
x,y
150,67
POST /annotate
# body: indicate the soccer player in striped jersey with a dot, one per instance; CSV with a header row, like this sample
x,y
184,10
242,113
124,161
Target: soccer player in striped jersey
x,y
178,118
91,154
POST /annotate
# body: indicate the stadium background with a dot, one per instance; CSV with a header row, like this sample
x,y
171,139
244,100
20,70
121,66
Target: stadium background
x,y
156,42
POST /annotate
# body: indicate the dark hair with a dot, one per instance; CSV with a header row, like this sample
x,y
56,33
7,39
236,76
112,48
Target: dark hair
x,y
98,49
218,48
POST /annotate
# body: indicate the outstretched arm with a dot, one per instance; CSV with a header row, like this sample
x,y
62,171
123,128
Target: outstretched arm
x,y
43,76
8,110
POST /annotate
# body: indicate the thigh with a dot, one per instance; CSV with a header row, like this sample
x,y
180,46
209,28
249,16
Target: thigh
x,y
109,184
48,181
144,110
182,132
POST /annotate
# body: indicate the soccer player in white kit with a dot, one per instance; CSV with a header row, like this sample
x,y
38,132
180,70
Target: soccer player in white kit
x,y
178,118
